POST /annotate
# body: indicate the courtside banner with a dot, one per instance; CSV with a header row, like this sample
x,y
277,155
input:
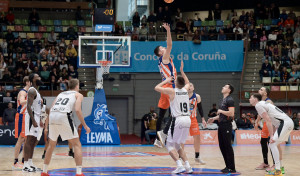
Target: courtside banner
x,y
207,137
295,137
247,136
210,56
4,6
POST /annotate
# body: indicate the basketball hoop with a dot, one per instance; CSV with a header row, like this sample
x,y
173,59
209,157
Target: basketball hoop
x,y
105,65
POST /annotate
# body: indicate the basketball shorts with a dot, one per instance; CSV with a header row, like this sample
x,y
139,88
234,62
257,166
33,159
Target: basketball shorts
x,y
164,101
61,124
194,129
20,125
283,131
30,130
265,131
179,130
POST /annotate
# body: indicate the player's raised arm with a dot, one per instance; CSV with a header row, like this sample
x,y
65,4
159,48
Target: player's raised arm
x,y
186,80
159,87
31,97
166,55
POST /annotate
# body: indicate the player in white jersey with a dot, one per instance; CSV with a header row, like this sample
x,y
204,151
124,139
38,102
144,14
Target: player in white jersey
x,y
180,110
33,122
273,116
60,123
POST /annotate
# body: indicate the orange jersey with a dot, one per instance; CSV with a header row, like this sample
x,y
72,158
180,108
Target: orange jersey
x,y
20,118
265,131
167,70
194,129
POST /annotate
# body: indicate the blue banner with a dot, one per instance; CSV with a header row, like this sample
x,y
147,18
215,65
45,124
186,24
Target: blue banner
x,y
210,56
104,128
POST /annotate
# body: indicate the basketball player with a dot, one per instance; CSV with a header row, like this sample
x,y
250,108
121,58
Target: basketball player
x,y
33,122
167,69
178,133
20,122
195,101
60,123
276,117
225,114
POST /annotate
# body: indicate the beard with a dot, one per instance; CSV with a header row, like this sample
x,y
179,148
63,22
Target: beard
x,y
39,83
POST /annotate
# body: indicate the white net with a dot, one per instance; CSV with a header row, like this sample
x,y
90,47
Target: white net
x,y
104,69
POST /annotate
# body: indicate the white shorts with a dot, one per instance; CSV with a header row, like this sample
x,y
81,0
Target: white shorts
x,y
283,131
30,130
179,131
63,125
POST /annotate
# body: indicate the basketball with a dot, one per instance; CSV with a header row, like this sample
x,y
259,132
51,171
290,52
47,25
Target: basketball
x,y
168,1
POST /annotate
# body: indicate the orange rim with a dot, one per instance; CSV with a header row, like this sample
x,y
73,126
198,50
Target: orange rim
x,y
104,63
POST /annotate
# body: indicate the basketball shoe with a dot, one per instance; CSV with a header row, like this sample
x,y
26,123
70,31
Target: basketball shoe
x,y
200,161
162,137
178,170
276,172
157,143
17,166
189,170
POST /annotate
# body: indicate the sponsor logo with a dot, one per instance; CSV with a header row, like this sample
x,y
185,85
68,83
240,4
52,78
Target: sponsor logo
x,y
246,136
102,117
100,137
8,132
207,135
296,137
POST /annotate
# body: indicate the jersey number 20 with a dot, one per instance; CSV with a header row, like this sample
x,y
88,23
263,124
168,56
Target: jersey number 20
x,y
62,101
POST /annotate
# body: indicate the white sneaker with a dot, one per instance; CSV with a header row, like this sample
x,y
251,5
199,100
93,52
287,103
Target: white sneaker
x,y
157,143
189,170
162,137
36,168
200,161
178,170
28,169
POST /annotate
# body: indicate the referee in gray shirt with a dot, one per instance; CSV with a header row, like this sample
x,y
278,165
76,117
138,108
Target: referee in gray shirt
x,y
9,115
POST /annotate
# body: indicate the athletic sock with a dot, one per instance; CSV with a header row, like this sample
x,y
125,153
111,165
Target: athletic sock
x,y
197,154
30,162
16,160
78,169
25,164
45,168
44,152
187,164
71,150
22,160
178,162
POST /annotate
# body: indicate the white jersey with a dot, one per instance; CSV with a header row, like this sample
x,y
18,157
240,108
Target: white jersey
x,y
180,105
36,106
276,115
65,102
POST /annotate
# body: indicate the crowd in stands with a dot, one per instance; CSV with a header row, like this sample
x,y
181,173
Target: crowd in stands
x,y
52,57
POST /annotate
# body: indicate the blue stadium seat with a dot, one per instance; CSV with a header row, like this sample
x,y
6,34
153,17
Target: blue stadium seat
x,y
268,28
220,23
58,29
57,22
34,28
275,21
3,28
197,23
16,34
80,22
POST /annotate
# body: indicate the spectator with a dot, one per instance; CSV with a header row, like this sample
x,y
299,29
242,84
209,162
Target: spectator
x,y
289,24
160,19
38,45
284,75
178,15
9,36
217,12
265,69
152,18
237,28
62,43
144,123
71,34
39,65
128,32
56,66
221,35
296,121
34,18
28,45
62,65
78,13
3,45
144,20
237,35
46,43
259,12
180,27
19,45
3,19
2,65
294,76
167,15
73,73
71,52
2,91
10,18
135,34
45,74
53,83
11,65
62,58
152,32
295,53
136,20
45,53
292,15
52,38
6,75
197,37
280,37
296,36
152,126
9,115
272,38
274,11
213,111
263,41
289,37
212,32
283,15
53,54
281,24
14,93
243,123
254,44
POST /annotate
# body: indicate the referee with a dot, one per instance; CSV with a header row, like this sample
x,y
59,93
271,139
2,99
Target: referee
x,y
225,114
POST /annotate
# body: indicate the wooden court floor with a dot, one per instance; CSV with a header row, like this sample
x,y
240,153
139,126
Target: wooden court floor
x,y
247,157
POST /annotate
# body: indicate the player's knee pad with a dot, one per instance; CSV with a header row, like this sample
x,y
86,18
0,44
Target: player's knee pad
x,y
177,147
170,146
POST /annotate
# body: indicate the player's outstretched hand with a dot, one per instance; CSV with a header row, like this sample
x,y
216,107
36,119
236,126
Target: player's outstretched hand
x,y
87,129
169,79
210,120
204,123
166,26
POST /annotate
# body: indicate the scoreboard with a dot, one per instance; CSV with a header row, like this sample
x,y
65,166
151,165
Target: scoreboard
x,y
104,16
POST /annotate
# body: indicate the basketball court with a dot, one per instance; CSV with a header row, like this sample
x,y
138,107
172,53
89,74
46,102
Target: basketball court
x,y
148,160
